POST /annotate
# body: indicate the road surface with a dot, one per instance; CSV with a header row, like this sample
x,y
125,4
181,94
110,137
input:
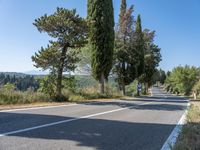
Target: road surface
x,y
143,124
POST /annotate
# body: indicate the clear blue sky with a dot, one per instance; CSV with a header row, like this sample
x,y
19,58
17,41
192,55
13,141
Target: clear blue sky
x,y
177,25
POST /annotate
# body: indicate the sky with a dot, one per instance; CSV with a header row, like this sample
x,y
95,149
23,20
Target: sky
x,y
176,22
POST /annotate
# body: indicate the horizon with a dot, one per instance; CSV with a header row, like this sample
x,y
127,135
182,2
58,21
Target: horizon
x,y
176,29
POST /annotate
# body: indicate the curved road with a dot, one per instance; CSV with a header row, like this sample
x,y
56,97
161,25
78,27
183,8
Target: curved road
x,y
142,124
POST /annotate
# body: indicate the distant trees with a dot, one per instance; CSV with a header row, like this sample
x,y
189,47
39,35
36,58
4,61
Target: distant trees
x,y
163,76
183,79
136,56
21,83
70,32
101,38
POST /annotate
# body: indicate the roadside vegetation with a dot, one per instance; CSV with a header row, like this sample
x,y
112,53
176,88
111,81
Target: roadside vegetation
x,y
114,56
184,80
189,138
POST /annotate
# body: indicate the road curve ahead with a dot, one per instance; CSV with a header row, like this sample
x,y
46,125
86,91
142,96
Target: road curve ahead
x,y
142,124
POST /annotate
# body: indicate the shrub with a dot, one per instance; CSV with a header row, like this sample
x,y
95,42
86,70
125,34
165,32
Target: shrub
x,y
17,97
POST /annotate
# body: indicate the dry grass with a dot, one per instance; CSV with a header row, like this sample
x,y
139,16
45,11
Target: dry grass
x,y
37,104
189,139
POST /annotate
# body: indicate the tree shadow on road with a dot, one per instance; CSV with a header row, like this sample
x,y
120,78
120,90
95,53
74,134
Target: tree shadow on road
x,y
100,134
96,133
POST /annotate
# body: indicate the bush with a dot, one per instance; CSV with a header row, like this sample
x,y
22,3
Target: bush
x,y
17,97
76,98
182,79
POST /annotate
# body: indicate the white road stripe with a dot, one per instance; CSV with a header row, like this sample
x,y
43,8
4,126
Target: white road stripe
x,y
35,108
69,120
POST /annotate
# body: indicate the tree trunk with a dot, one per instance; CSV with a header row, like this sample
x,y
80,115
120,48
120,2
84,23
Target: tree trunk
x,y
194,95
123,84
60,72
124,89
145,88
102,83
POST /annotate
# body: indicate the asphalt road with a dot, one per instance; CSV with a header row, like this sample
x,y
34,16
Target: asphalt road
x,y
144,124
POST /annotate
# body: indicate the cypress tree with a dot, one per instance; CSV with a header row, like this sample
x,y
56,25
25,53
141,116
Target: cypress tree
x,y
125,55
122,12
101,38
139,45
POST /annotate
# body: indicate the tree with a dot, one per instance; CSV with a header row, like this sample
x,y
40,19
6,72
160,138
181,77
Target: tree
x,y
70,32
152,58
139,45
182,79
196,89
162,76
101,38
125,65
84,66
122,12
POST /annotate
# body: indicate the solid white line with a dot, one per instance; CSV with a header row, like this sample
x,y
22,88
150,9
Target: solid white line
x,y
171,140
69,120
35,108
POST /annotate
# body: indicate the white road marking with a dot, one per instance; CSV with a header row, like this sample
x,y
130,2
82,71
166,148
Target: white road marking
x,y
69,120
35,108
171,140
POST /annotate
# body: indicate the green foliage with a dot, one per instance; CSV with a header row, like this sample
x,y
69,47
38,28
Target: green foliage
x,y
196,88
139,46
48,85
162,76
101,37
183,79
152,59
125,65
17,97
22,82
70,32
9,87
85,56
69,83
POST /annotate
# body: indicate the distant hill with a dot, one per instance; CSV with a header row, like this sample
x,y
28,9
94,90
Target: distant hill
x,y
35,72
17,74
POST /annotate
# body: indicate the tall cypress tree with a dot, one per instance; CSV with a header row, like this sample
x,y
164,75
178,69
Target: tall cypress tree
x,y
101,38
125,66
139,45
122,12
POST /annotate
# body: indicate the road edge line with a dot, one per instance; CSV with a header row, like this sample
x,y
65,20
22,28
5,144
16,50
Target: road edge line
x,y
39,107
172,139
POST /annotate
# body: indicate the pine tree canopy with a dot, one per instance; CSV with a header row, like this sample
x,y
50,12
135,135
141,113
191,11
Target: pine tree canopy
x,y
69,32
64,25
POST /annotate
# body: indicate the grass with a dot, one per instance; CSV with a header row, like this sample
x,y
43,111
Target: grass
x,y
12,97
17,97
189,139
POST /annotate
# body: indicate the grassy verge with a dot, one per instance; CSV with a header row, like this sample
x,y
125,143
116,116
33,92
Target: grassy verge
x,y
189,139
16,99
